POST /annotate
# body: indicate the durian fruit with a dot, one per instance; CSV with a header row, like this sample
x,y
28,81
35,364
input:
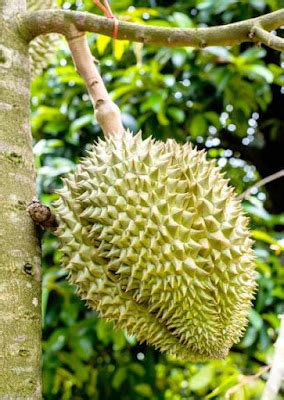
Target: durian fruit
x,y
42,48
155,240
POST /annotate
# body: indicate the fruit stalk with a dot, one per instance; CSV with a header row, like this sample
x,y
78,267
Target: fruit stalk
x,y
107,112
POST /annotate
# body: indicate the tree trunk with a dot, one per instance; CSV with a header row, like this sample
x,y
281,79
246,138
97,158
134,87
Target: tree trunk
x,y
20,281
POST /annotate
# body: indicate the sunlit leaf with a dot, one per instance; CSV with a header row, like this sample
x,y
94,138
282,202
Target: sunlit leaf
x,y
79,123
182,20
202,379
119,47
102,42
255,71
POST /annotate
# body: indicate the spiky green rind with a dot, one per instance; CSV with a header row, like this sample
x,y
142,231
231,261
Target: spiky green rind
x,y
156,242
42,48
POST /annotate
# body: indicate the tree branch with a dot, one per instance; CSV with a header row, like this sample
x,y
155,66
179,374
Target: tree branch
x,y
36,23
245,380
107,112
276,376
267,38
262,182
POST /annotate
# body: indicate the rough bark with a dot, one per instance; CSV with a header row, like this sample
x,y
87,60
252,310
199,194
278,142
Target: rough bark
x,y
20,283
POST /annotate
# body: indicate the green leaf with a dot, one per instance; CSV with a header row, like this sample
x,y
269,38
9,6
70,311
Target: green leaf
x,y
202,379
119,48
225,385
56,341
221,52
240,394
256,71
249,339
69,313
197,126
163,120
213,118
102,42
253,54
79,123
255,319
177,114
76,365
144,390
181,20
119,340
179,57
221,77
104,331
155,102
257,211
259,5
119,376
122,90
278,76
138,369
265,237
84,348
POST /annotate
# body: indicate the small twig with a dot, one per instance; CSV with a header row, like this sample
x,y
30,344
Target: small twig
x,y
246,380
262,182
107,112
42,215
267,38
276,376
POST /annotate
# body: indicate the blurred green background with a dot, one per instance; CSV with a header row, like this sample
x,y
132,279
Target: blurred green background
x,y
226,100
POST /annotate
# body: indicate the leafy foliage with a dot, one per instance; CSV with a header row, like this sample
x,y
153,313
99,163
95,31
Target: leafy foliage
x,y
222,99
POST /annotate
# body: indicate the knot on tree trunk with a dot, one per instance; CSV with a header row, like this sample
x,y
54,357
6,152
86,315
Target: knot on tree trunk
x,y
42,215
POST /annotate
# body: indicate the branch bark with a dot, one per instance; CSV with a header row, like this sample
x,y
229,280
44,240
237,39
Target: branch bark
x,y
262,182
267,38
107,112
36,23
276,376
